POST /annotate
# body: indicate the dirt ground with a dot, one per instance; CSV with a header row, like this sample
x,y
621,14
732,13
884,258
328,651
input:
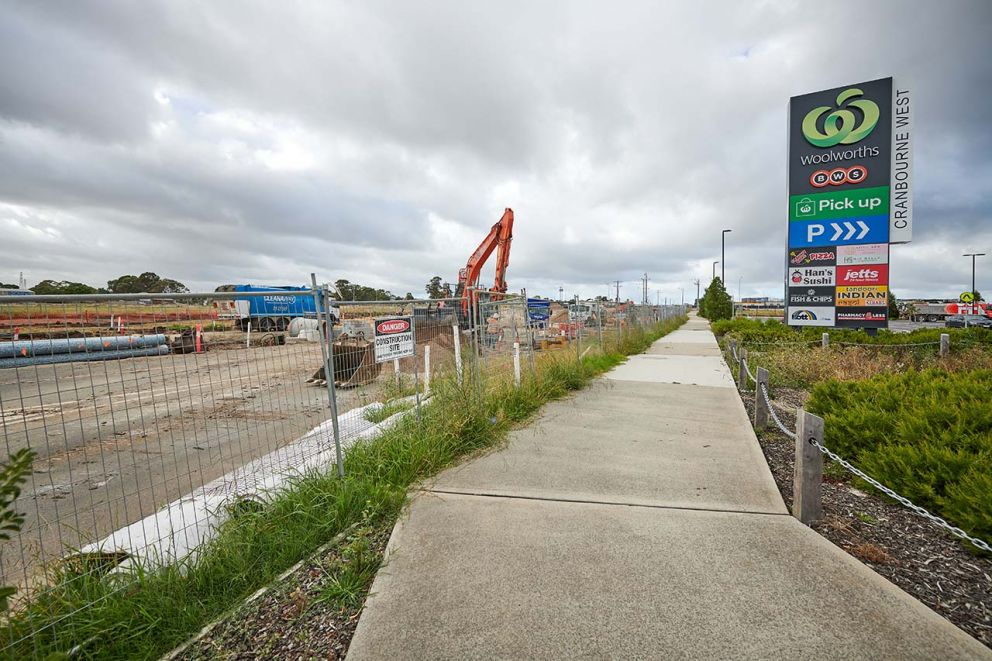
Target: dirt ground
x,y
117,440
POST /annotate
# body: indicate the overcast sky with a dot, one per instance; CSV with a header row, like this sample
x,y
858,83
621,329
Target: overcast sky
x,y
228,142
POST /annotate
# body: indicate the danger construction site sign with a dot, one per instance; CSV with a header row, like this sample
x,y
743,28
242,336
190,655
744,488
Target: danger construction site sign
x,y
393,338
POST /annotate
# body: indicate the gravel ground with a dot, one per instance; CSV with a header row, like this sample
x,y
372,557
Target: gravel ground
x,y
903,547
290,621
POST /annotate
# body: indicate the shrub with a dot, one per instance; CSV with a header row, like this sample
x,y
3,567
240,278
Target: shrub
x,y
927,435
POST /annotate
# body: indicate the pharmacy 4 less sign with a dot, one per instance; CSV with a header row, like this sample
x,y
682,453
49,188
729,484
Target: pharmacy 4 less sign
x,y
849,186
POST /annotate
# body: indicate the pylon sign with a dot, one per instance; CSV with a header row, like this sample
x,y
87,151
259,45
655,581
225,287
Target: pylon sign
x,y
850,196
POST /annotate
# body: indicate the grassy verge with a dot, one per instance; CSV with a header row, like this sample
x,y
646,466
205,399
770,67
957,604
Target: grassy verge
x,y
146,614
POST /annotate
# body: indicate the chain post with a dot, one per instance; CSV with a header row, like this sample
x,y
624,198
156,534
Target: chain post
x,y
760,404
945,345
825,340
742,370
808,476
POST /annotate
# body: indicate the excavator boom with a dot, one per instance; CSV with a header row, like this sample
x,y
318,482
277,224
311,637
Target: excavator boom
x,y
498,239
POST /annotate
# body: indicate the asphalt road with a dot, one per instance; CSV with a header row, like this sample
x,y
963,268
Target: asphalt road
x,y
117,440
905,326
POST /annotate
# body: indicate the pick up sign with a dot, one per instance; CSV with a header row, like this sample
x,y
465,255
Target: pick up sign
x,y
393,338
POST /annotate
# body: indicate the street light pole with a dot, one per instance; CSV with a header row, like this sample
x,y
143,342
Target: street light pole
x,y
974,303
714,268
723,257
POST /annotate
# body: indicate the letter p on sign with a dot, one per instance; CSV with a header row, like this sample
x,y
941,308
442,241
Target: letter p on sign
x,y
813,231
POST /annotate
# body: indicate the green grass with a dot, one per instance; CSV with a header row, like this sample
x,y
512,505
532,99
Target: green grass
x,y
927,435
147,613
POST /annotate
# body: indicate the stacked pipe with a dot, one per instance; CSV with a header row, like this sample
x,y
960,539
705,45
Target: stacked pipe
x,y
23,353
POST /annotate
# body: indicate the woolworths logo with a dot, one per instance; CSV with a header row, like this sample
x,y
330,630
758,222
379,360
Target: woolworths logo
x,y
843,126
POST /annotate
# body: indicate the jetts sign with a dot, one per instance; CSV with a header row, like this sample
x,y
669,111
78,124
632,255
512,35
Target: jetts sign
x,y
875,274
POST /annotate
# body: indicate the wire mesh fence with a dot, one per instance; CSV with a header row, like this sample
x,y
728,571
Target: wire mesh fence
x,y
154,417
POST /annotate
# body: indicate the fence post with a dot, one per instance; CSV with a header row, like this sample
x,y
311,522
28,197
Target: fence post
x,y
742,369
516,364
329,373
808,476
599,323
945,344
578,340
760,407
427,369
825,340
458,353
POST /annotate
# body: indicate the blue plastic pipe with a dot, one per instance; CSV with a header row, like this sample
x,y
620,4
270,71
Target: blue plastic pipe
x,y
51,359
28,348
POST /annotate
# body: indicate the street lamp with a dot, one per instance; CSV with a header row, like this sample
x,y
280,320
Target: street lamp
x,y
723,257
682,289
714,268
973,255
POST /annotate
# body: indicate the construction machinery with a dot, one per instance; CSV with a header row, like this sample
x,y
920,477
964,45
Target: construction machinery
x,y
354,362
468,291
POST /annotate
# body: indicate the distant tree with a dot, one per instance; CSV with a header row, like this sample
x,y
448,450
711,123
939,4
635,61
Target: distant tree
x,y
349,291
434,288
146,282
47,287
716,302
893,306
409,296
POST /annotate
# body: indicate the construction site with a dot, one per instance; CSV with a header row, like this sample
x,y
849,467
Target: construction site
x,y
134,402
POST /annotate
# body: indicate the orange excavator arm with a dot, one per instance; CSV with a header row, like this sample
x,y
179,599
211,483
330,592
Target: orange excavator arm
x,y
499,237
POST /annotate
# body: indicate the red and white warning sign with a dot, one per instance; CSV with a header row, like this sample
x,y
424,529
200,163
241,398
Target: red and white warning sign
x,y
393,338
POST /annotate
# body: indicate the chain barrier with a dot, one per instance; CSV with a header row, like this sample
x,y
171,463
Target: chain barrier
x,y
905,502
888,346
954,530
771,411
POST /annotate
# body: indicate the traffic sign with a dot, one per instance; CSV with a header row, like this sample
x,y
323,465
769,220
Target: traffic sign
x,y
967,297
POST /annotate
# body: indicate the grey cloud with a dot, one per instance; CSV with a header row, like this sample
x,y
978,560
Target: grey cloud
x,y
624,137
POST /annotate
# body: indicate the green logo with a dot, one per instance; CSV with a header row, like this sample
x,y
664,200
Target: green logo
x,y
805,208
841,126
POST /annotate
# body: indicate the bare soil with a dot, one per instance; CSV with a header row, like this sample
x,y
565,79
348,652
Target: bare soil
x,y
289,621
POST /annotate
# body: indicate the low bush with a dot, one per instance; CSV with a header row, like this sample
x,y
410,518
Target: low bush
x,y
927,435
752,331
146,613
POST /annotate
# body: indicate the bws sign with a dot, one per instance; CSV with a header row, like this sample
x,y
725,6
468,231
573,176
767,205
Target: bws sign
x,y
393,338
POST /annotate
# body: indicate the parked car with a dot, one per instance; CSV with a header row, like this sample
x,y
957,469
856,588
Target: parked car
x,y
967,320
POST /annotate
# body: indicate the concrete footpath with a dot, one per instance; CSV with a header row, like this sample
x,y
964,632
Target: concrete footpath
x,y
637,519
